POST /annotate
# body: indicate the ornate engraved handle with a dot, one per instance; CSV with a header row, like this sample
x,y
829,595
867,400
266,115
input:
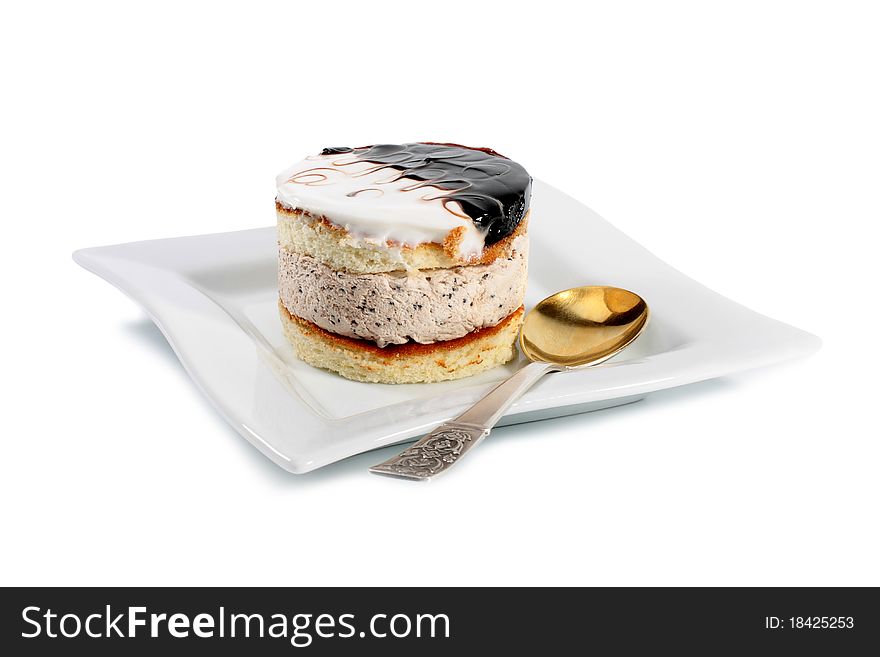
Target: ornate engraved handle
x,y
445,445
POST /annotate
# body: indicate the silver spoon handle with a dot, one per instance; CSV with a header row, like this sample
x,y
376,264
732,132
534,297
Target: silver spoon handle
x,y
445,445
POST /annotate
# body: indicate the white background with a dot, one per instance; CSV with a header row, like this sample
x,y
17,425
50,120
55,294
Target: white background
x,y
739,142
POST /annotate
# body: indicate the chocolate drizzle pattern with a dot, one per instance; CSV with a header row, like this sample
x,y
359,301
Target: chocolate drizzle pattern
x,y
492,190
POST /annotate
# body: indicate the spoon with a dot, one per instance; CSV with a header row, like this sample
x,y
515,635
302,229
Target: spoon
x,y
570,329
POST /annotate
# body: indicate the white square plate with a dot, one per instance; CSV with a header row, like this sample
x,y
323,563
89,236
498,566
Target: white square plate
x,y
214,298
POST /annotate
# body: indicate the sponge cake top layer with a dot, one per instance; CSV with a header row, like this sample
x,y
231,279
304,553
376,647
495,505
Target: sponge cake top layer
x,y
412,194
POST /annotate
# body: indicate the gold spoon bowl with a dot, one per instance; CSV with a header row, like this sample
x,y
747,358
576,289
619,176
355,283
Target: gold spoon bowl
x,y
583,325
571,329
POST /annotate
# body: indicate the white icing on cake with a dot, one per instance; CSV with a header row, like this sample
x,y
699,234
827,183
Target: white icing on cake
x,y
372,203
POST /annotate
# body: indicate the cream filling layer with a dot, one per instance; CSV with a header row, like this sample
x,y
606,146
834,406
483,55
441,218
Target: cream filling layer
x,y
395,307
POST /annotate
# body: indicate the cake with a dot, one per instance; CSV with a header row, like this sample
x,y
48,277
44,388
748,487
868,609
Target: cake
x,y
403,263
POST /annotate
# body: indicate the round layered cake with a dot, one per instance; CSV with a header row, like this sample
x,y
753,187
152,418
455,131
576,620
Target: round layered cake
x,y
403,263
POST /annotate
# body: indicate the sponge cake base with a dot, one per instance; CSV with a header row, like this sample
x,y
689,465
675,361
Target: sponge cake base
x,y
412,362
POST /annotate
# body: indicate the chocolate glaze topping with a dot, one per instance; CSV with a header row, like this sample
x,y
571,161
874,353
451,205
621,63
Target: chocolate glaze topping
x,y
492,190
